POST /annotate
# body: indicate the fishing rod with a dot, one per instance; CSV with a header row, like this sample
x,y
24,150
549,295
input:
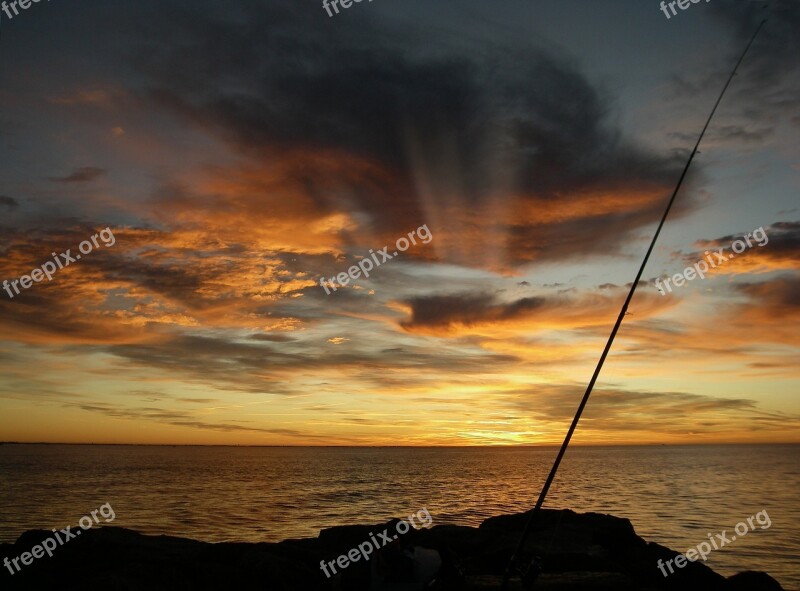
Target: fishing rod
x,y
512,563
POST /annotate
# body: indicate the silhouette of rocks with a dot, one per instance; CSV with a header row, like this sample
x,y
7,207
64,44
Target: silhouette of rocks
x,y
590,552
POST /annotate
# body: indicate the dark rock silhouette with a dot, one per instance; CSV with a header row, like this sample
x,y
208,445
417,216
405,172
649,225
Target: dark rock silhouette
x,y
588,551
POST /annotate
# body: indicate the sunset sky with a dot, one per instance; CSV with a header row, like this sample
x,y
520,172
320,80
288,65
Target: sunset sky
x,y
240,151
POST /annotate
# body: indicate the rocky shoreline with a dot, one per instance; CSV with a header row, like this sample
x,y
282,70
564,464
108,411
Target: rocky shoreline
x,y
587,551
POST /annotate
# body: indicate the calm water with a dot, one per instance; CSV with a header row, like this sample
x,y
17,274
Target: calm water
x,y
673,495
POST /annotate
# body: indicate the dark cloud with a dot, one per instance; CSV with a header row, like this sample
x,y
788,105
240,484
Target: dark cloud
x,y
367,99
781,249
51,311
260,369
781,296
777,46
618,410
784,239
728,132
678,403
8,202
147,395
471,123
212,361
770,76
593,234
180,419
274,338
466,309
80,175
787,233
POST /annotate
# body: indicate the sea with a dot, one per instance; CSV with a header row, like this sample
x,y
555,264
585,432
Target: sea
x,y
673,495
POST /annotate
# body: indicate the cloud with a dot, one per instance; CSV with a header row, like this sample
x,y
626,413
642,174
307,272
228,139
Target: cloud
x,y
317,143
770,77
777,45
80,175
490,316
613,411
780,251
181,419
728,132
779,299
465,309
8,202
97,97
388,135
234,366
275,338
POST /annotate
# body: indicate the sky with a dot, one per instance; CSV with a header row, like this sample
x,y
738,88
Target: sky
x,y
230,159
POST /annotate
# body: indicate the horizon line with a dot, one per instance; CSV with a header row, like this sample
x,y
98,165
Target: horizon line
x,y
512,446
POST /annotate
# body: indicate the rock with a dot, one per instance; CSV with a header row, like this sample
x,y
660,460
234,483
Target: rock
x,y
752,581
590,552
